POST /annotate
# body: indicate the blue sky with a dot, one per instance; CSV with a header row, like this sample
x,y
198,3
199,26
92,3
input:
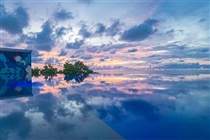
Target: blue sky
x,y
114,34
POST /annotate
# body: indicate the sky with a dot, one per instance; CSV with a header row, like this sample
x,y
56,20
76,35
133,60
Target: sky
x,y
105,34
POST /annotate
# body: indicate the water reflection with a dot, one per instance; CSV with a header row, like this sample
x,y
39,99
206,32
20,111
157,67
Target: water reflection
x,y
77,77
138,106
49,77
15,85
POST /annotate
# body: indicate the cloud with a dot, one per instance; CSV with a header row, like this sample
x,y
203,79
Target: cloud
x,y
75,45
100,28
205,66
62,53
112,51
77,98
52,60
14,22
36,60
92,49
104,58
46,104
63,15
87,57
115,112
62,31
132,50
170,33
180,66
84,32
75,56
35,53
114,28
140,32
17,126
133,90
113,47
176,52
142,108
42,40
78,53
65,127
202,20
205,50
12,44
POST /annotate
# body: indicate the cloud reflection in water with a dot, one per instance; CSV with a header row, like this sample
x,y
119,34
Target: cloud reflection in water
x,y
111,107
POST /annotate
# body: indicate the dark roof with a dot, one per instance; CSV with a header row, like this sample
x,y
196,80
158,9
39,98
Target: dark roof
x,y
15,50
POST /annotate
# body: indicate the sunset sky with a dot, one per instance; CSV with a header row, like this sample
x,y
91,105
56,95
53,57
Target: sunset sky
x,y
112,34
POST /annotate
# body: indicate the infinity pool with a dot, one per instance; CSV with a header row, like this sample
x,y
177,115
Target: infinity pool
x,y
105,106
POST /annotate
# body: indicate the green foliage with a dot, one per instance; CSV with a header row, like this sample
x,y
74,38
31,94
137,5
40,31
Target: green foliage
x,y
78,68
36,71
69,69
49,69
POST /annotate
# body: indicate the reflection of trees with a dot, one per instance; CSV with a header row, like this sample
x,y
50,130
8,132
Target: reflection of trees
x,y
49,77
77,77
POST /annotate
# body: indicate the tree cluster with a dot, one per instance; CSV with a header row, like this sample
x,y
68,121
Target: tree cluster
x,y
68,68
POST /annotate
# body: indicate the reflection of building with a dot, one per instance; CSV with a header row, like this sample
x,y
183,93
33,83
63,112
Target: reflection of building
x,y
15,85
15,61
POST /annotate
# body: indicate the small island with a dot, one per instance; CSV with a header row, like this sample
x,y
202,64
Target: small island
x,y
68,68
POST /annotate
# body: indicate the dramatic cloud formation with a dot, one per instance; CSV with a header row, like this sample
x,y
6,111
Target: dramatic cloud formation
x,y
62,31
17,117
92,49
75,45
35,53
132,38
43,40
84,32
100,29
87,57
62,53
114,28
67,111
14,22
140,32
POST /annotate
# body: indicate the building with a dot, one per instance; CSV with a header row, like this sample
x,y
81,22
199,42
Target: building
x,y
15,61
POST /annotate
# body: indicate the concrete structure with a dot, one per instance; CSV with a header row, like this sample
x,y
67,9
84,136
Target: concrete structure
x,y
15,61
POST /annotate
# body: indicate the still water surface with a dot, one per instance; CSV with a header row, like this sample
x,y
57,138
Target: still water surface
x,y
105,106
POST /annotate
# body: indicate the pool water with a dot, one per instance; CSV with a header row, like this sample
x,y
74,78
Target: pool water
x,y
105,106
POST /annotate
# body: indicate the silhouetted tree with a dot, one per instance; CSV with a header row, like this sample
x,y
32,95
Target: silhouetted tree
x,y
76,68
36,71
77,77
49,69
